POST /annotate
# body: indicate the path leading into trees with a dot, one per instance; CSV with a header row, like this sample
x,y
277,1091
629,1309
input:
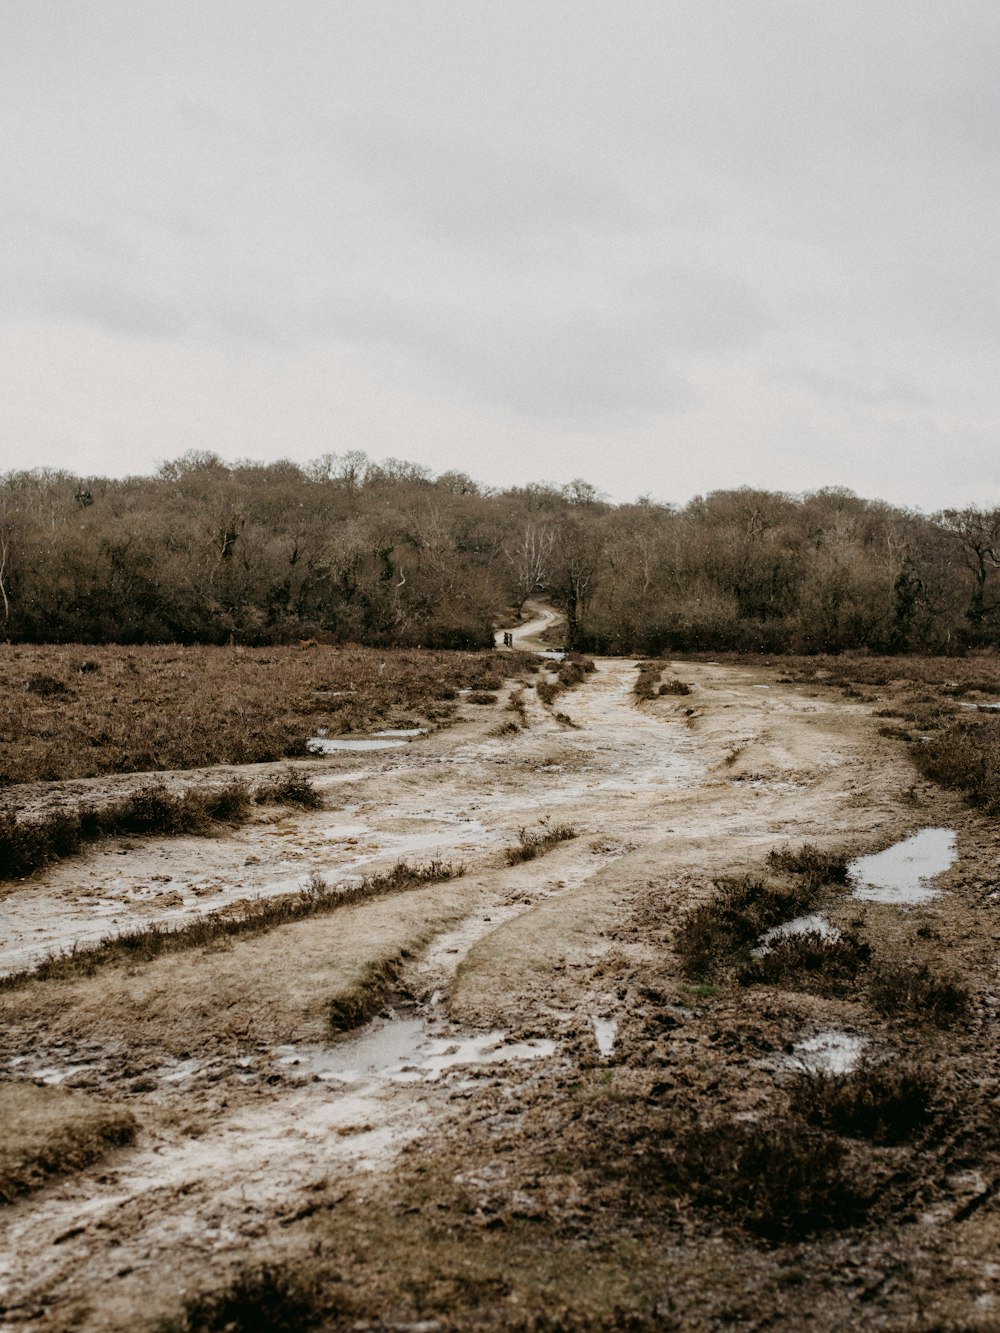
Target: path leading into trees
x,y
252,1118
528,635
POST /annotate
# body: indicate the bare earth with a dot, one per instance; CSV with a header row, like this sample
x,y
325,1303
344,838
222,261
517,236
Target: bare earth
x,y
441,1167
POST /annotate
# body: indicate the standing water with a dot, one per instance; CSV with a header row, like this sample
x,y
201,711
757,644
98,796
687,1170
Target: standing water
x,y
903,873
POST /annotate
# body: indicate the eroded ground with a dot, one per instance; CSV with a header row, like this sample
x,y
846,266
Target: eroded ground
x,y
494,1149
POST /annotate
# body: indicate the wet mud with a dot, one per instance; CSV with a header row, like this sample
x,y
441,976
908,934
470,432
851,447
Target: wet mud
x,y
535,1036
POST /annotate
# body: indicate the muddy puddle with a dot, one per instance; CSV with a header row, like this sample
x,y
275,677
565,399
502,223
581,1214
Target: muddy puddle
x,y
406,1050
904,874
813,924
335,744
829,1052
605,1034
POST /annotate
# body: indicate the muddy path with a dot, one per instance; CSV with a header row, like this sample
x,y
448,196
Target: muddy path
x,y
253,1115
535,633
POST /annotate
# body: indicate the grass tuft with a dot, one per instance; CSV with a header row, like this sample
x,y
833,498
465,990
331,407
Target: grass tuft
x,y
261,915
532,843
914,993
780,1182
883,1103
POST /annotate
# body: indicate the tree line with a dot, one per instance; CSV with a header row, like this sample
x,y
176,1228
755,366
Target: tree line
x,y
349,550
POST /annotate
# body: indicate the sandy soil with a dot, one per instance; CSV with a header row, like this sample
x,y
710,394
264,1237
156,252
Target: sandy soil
x,y
445,1122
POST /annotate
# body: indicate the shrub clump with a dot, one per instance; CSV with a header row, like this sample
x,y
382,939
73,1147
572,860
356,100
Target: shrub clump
x,y
914,993
779,1181
826,964
258,1299
816,866
883,1103
532,843
719,934
290,788
965,757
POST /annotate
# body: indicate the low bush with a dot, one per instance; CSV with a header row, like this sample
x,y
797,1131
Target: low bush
x,y
914,993
548,691
719,934
884,1103
532,843
647,680
780,1181
263,914
965,756
817,867
674,686
290,788
809,960
268,1299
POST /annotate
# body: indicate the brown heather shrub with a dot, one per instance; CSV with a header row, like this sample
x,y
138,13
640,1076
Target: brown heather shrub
x,y
817,867
151,708
779,1181
965,757
809,961
532,843
718,935
260,916
883,1103
914,993
267,1299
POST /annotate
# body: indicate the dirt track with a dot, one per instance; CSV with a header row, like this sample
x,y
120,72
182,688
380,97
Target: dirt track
x,y
254,1122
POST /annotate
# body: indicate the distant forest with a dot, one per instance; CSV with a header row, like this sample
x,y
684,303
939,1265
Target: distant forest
x,y
347,550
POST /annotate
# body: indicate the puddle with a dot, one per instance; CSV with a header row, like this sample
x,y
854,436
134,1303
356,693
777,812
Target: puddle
x,y
402,1050
605,1033
830,1052
551,656
902,874
326,745
816,923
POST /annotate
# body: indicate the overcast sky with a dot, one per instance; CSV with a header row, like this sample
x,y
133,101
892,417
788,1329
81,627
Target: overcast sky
x,y
669,246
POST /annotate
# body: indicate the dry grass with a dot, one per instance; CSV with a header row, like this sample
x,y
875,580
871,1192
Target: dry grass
x,y
27,844
884,1103
780,1181
257,917
52,1132
70,712
536,842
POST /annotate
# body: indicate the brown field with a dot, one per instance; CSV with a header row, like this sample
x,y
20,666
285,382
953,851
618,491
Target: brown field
x,y
81,711
554,1092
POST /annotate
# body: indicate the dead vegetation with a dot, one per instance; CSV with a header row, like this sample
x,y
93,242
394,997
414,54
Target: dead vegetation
x,y
532,843
52,1132
28,843
650,685
254,918
146,709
